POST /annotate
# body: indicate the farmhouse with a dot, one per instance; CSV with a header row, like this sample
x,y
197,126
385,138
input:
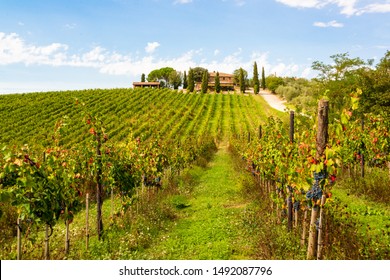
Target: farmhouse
x,y
146,84
226,81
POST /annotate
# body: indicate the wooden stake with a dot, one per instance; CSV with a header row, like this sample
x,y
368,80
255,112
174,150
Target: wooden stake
x,y
260,132
291,126
322,130
289,212
321,229
296,213
86,221
67,237
19,236
112,203
304,223
361,154
47,251
312,246
99,187
321,142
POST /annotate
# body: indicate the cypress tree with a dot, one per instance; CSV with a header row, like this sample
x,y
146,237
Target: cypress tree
x,y
217,83
185,82
242,81
143,77
205,81
256,83
191,82
263,85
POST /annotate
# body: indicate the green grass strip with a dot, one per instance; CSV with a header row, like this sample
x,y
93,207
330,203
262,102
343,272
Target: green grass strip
x,y
210,221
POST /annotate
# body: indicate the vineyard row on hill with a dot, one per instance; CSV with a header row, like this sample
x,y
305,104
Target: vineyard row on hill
x,y
145,113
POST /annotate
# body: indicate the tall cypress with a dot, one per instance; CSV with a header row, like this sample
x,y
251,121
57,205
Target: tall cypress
x,y
185,82
256,82
242,81
205,81
263,85
191,82
217,83
143,77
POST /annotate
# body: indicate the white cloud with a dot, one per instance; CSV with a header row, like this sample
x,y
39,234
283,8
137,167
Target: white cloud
x,y
240,2
182,2
383,47
13,50
307,73
216,52
95,55
151,47
375,8
70,26
332,23
347,7
303,3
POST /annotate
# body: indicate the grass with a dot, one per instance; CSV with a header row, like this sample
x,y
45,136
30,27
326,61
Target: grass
x,y
209,226
359,228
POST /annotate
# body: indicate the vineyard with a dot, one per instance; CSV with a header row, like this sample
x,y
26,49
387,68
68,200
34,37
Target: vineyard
x,y
66,154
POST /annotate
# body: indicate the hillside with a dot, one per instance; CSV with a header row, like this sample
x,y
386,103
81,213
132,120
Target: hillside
x,y
30,118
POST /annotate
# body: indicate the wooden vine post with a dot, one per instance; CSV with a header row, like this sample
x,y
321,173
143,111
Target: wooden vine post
x,y
321,229
304,222
361,154
19,236
47,236
321,142
87,221
289,199
260,132
99,186
292,117
67,241
289,211
112,203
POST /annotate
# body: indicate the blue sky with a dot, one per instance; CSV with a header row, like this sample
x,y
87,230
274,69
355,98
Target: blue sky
x,y
76,44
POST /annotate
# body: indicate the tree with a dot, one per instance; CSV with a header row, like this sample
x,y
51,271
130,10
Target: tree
x,y
175,79
217,83
342,67
205,82
242,80
236,76
376,87
339,79
273,82
256,83
263,83
198,73
191,82
185,82
143,78
161,75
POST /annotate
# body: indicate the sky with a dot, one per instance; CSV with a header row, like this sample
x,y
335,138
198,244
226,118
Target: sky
x,y
81,44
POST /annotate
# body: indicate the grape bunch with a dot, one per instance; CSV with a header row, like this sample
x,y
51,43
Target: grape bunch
x,y
318,176
315,192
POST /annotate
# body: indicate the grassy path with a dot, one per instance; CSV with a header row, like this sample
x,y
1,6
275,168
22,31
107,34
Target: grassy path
x,y
211,226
